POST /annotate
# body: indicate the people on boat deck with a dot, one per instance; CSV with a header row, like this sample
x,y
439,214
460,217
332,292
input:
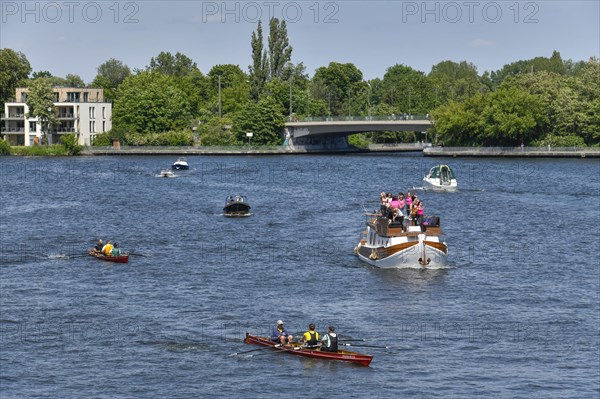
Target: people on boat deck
x,y
330,341
116,251
107,249
383,202
280,334
98,247
311,337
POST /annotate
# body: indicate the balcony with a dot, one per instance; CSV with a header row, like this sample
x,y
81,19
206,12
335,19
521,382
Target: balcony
x,y
66,115
13,115
13,130
62,130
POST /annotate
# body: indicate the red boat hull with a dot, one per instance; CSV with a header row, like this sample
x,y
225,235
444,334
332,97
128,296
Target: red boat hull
x,y
114,259
296,349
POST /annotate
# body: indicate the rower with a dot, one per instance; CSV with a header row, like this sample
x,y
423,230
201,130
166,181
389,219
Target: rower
x,y
98,247
280,334
107,249
329,340
311,337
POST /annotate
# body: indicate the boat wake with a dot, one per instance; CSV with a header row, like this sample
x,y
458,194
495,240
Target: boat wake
x,y
236,216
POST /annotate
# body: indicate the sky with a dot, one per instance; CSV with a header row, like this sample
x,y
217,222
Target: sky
x,y
75,36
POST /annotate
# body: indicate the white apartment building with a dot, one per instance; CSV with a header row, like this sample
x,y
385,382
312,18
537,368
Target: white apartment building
x,y
78,110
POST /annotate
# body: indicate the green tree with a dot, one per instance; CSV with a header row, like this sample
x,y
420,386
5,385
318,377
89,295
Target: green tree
x,y
72,80
280,52
460,123
110,75
407,90
264,119
40,100
218,132
553,64
259,70
151,102
513,116
14,69
177,65
235,89
452,80
41,74
341,87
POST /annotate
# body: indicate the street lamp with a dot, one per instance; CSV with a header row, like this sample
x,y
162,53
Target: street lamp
x,y
369,99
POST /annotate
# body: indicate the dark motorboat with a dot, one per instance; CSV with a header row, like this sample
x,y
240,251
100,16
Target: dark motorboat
x,y
180,164
236,205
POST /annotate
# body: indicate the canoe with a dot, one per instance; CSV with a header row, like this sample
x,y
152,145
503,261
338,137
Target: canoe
x,y
115,259
297,349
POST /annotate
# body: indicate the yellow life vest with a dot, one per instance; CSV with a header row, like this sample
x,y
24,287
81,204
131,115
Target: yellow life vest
x,y
311,337
108,249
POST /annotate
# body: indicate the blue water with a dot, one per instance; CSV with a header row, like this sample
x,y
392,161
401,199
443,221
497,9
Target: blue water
x,y
516,314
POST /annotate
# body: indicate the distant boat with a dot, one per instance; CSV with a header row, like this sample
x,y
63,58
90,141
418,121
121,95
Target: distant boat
x,y
166,173
315,353
236,205
180,164
442,178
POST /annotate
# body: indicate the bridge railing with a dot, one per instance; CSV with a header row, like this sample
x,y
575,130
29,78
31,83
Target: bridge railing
x,y
392,117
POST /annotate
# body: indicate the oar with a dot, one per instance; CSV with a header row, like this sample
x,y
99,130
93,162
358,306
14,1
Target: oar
x,y
295,348
367,346
352,340
254,350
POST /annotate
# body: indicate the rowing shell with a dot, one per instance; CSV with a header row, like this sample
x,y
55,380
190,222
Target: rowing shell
x,y
115,259
297,349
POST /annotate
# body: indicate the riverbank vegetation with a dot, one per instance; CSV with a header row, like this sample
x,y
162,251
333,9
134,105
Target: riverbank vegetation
x,y
536,102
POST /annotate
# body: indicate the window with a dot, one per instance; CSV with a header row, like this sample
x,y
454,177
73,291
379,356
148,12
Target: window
x,y
103,126
92,126
85,97
103,112
32,126
92,112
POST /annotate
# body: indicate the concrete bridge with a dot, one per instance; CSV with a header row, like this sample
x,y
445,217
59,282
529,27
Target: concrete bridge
x,y
329,133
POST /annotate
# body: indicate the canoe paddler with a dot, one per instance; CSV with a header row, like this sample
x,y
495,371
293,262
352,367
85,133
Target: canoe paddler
x,y
280,334
311,337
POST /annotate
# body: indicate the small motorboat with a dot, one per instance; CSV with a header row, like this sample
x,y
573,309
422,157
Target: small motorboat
x,y
236,205
166,173
180,164
440,177
115,259
298,349
388,244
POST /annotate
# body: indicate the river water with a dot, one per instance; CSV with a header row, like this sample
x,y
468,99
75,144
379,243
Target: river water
x,y
515,314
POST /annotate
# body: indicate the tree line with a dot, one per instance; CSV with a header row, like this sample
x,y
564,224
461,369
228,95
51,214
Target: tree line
x,y
540,101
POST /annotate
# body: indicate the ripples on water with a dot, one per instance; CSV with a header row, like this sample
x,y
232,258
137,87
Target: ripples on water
x,y
515,313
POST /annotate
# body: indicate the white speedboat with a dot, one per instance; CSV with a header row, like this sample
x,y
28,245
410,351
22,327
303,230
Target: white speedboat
x,y
166,173
399,245
180,164
440,177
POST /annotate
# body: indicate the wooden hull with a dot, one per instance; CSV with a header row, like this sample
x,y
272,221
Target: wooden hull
x,y
114,259
296,349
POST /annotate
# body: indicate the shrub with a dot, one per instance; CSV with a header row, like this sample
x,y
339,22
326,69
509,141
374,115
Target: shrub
x,y
69,141
4,148
560,141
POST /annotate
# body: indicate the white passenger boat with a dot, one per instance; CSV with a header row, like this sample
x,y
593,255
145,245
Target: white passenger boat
x,y
398,245
440,177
